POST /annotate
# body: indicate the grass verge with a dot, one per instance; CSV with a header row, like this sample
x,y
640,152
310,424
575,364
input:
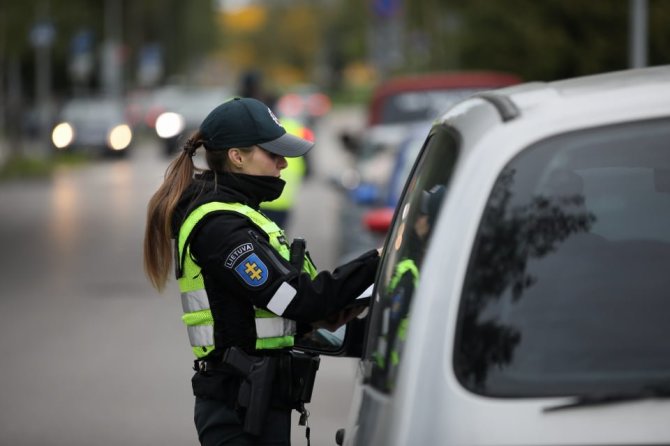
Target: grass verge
x,y
25,167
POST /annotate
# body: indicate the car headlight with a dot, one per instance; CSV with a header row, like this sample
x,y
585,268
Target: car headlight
x,y
119,137
169,124
62,135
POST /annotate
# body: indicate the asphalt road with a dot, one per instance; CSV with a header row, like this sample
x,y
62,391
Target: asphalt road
x,y
91,354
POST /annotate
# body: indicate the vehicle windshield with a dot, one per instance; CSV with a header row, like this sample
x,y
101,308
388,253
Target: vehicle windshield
x,y
403,255
567,289
93,110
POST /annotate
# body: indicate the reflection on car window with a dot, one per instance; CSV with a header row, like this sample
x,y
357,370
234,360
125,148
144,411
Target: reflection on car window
x,y
567,287
403,255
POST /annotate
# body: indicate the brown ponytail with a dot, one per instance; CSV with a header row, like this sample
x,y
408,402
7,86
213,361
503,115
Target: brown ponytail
x,y
158,232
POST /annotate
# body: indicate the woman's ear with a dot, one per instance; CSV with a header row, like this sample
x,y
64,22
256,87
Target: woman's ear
x,y
235,157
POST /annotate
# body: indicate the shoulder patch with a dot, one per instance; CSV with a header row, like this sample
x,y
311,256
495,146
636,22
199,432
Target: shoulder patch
x,y
253,271
236,253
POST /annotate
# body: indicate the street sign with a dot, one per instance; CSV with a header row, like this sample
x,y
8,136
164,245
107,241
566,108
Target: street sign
x,y
42,34
386,8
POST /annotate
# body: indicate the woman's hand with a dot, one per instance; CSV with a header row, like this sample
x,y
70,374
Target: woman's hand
x,y
339,319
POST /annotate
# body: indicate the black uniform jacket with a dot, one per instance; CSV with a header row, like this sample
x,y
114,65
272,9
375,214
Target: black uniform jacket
x,y
242,270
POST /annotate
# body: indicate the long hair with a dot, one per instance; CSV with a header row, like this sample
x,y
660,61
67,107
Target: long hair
x,y
158,254
158,230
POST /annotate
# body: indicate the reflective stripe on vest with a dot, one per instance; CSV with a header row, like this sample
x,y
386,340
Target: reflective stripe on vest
x,y
272,331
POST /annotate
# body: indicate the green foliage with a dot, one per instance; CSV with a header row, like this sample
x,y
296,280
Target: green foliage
x,y
186,29
540,40
25,167
547,40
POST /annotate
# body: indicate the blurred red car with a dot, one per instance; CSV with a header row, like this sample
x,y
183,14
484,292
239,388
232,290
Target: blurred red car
x,y
420,97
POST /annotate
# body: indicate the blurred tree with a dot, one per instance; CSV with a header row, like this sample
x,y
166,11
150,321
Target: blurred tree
x,y
187,32
283,39
546,40
433,33
300,40
659,39
345,39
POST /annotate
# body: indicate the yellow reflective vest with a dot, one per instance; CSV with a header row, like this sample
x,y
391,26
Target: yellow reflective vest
x,y
272,331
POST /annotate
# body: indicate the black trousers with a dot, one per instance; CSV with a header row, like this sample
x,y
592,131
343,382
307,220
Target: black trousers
x,y
218,424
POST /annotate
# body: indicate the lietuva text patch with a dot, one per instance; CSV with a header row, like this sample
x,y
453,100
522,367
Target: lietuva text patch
x,y
252,270
236,253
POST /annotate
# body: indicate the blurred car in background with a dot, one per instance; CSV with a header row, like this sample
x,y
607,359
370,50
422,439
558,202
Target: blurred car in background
x,y
400,102
95,126
305,103
372,205
138,102
396,109
176,111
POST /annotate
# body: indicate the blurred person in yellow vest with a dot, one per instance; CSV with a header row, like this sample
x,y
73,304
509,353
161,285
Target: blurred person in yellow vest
x,y
279,210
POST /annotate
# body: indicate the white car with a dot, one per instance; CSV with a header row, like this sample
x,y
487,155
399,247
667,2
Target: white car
x,y
532,309
178,110
93,125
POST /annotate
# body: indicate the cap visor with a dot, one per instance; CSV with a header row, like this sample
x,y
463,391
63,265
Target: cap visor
x,y
288,145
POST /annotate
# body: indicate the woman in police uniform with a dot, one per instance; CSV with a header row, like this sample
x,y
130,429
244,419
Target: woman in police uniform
x,y
244,296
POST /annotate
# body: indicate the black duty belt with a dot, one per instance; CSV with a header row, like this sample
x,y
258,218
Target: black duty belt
x,y
204,366
218,365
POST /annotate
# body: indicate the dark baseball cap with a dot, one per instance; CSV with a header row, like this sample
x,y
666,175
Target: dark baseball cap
x,y
244,122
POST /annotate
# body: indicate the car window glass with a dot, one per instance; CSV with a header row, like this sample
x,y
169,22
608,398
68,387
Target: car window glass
x,y
403,166
406,244
567,288
103,111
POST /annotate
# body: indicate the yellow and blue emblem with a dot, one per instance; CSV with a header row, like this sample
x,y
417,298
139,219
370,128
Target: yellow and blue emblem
x,y
253,271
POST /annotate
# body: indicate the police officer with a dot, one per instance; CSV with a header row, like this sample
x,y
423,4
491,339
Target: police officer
x,y
246,297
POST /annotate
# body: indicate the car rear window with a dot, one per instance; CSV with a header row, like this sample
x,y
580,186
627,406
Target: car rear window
x,y
568,289
421,105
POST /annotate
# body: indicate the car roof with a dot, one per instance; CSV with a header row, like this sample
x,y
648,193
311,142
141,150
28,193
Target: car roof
x,y
558,106
603,90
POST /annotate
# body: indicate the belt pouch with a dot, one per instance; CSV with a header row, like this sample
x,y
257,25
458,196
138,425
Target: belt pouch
x,y
304,368
284,391
216,386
